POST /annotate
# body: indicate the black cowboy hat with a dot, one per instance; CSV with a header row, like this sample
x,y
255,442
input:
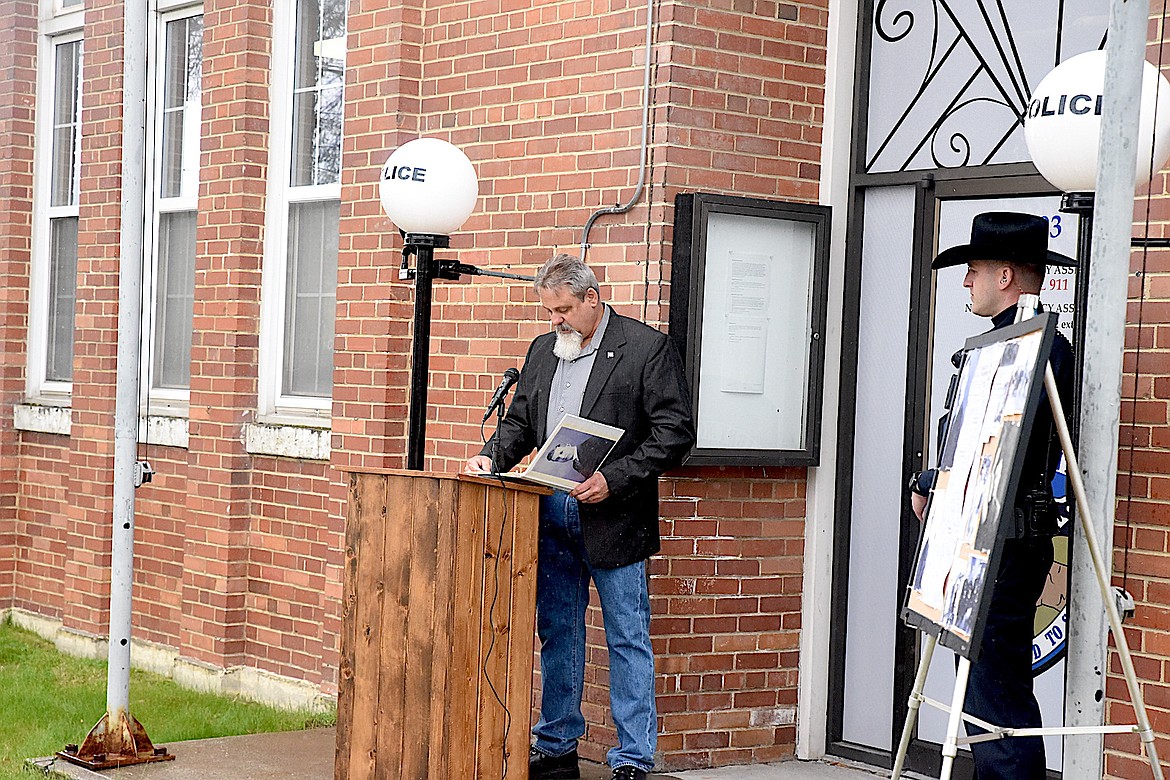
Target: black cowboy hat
x,y
1008,236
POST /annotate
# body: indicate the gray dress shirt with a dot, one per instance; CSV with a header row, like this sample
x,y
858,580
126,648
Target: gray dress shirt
x,y
568,383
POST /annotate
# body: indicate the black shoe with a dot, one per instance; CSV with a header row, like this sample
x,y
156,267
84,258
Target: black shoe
x,y
543,767
628,772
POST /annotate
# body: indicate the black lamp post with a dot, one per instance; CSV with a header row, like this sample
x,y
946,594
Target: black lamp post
x,y
1080,204
428,189
426,270
422,246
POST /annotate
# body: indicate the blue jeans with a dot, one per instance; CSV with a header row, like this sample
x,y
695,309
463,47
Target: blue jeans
x,y
562,594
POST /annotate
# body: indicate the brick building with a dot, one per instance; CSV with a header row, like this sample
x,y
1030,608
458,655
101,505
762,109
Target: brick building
x,y
277,333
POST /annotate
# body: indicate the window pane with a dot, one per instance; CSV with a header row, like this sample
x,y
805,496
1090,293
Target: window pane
x,y
310,298
172,154
333,20
308,34
318,79
66,118
181,105
174,300
304,126
330,110
62,295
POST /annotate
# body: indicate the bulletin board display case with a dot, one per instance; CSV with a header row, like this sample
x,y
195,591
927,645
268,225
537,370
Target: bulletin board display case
x,y
747,312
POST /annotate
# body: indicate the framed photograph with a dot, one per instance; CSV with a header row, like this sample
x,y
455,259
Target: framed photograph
x,y
999,390
747,312
576,449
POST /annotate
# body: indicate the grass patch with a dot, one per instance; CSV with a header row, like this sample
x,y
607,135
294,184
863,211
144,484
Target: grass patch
x,y
50,699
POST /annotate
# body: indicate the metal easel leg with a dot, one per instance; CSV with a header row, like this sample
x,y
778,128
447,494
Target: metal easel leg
x,y
914,703
1072,467
951,746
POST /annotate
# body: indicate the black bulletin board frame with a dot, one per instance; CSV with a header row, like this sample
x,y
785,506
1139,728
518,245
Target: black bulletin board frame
x,y
960,624
688,309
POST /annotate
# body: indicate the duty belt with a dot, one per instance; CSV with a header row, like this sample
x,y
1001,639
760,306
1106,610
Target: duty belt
x,y
1034,521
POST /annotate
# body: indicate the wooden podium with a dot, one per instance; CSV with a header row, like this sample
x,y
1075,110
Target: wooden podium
x,y
436,567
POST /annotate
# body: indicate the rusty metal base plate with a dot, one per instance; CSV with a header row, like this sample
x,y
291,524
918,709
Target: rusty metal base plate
x,y
117,739
109,761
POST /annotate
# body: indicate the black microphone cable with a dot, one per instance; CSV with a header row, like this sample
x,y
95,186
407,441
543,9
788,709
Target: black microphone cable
x,y
495,598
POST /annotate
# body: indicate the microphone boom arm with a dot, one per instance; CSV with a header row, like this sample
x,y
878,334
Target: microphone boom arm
x,y
451,269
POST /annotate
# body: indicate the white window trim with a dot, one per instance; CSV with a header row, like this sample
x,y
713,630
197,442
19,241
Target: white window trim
x,y
274,405
159,401
166,6
37,387
56,19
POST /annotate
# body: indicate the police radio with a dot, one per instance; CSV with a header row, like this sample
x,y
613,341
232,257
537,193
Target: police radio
x,y
944,422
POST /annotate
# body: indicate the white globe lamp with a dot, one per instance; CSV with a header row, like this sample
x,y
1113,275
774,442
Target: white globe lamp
x,y
428,186
1062,124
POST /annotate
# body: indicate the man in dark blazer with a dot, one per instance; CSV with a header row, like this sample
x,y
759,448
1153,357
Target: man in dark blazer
x,y
605,367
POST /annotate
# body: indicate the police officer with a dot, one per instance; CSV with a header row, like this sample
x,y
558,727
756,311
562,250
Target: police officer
x,y
1005,259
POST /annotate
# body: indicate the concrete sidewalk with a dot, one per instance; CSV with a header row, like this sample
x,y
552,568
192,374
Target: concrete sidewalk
x,y
308,755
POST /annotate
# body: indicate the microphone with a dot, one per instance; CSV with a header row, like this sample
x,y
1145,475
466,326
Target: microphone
x,y
510,378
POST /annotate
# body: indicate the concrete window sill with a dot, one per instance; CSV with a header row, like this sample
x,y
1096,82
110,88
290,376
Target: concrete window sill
x,y
288,441
43,419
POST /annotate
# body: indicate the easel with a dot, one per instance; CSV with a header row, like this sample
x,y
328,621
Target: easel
x,y
950,749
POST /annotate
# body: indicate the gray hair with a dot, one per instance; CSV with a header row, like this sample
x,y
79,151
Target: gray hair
x,y
566,271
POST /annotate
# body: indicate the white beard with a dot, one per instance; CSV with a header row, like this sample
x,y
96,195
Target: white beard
x,y
568,346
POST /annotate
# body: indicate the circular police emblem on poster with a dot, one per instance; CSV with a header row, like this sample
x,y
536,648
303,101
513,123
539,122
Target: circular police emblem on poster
x,y
1050,629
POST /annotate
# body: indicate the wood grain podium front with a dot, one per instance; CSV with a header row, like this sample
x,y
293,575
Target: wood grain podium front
x,y
438,625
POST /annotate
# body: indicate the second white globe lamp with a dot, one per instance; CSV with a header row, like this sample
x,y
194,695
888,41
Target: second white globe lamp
x,y
1062,125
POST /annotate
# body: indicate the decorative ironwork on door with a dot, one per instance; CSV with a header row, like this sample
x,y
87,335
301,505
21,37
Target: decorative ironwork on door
x,y
949,80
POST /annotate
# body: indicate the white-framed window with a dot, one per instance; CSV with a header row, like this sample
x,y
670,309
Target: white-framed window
x,y
55,223
58,7
169,291
300,259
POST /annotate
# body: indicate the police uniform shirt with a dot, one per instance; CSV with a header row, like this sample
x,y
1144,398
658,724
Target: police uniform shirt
x,y
1043,453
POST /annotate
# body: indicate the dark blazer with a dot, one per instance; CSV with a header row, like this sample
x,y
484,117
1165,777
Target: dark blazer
x,y
637,383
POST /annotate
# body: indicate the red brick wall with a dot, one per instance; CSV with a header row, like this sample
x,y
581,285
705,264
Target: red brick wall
x,y
1141,556
746,97
239,555
1140,561
160,538
18,54
40,546
372,341
744,114
225,340
726,596
293,576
